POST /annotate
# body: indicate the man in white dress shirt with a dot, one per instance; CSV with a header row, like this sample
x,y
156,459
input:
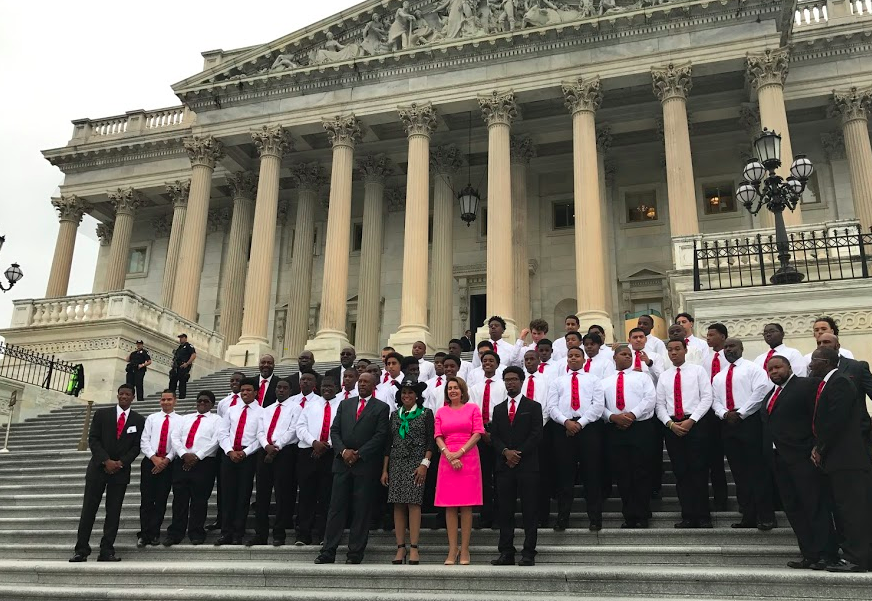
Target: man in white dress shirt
x,y
653,366
156,478
238,440
559,347
715,337
773,334
426,368
561,366
601,332
686,321
386,391
349,384
454,348
629,410
597,362
652,344
575,402
277,464
538,330
694,354
435,385
195,443
386,351
714,363
496,326
487,394
232,398
826,325
738,392
684,400
547,363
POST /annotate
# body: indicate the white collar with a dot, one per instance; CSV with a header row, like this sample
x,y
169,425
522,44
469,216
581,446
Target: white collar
x,y
832,371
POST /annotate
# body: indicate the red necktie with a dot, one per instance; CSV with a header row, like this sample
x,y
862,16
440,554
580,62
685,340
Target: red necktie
x,y
240,429
619,392
716,364
731,404
512,411
676,393
120,428
303,403
438,381
772,400
261,392
637,362
189,442
495,347
325,425
272,424
347,394
541,368
587,366
361,408
575,399
233,402
485,402
687,342
816,397
387,377
768,357
164,433
531,386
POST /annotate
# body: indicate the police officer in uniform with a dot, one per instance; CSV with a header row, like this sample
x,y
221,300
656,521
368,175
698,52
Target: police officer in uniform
x,y
137,364
183,358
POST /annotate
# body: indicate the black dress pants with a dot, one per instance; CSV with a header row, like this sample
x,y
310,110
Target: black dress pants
x,y
547,472
630,454
690,464
154,490
717,474
280,475
584,449
315,478
352,491
237,482
191,492
743,444
852,497
486,461
94,489
511,484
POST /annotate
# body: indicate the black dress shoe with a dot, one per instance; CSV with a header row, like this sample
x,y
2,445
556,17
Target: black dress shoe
x,y
154,542
225,539
278,542
78,558
213,526
629,524
198,541
560,526
802,564
684,524
743,524
169,542
354,560
325,559
503,560
527,561
766,526
704,524
237,540
844,566
141,542
256,540
108,557
823,564
595,526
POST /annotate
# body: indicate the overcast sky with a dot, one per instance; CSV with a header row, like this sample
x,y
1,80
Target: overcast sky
x,y
62,60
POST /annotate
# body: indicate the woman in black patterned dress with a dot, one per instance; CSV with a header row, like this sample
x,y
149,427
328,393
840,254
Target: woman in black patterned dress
x,y
407,457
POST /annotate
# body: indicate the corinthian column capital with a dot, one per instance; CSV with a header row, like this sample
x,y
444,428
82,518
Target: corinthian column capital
x,y
126,201
308,176
204,150
498,108
852,104
583,94
343,130
604,138
375,167
178,191
162,225
671,81
769,68
521,149
243,184
446,159
71,208
272,141
104,232
418,119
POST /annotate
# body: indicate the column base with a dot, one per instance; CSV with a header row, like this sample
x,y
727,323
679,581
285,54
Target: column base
x,y
596,317
326,345
247,353
406,337
510,335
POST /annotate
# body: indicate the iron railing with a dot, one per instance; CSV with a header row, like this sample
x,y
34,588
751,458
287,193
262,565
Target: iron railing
x,y
822,255
27,366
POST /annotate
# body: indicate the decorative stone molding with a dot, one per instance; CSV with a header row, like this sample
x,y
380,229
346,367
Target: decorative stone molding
x,y
343,130
418,119
498,108
243,184
126,201
272,140
583,94
796,324
162,226
521,149
308,176
71,208
375,167
604,138
672,81
104,233
395,198
852,105
834,145
446,159
204,150
767,69
218,219
179,191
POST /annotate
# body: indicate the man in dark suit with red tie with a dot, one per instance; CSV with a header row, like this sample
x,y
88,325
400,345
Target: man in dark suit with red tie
x,y
841,453
516,431
114,442
266,383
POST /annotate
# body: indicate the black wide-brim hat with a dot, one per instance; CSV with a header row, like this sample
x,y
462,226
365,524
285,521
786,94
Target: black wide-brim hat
x,y
417,387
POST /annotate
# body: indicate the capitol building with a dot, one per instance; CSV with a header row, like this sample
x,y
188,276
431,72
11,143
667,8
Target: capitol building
x,y
402,170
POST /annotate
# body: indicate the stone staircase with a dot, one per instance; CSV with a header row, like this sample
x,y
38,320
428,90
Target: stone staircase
x,y
42,480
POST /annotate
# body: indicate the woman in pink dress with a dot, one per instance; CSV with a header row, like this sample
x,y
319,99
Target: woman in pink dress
x,y
458,483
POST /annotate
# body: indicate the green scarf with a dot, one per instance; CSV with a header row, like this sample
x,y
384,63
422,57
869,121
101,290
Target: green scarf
x,y
407,416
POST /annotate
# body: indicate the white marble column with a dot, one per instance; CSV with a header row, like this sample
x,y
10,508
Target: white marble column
x,y
178,192
343,132
444,163
70,210
204,152
583,98
605,173
374,169
125,201
419,121
853,107
671,86
499,109
310,179
244,186
272,142
767,72
522,150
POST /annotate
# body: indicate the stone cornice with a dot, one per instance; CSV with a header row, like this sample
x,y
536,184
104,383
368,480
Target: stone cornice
x,y
73,159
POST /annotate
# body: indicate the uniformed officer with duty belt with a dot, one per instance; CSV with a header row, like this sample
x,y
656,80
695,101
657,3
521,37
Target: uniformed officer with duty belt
x,y
137,364
180,373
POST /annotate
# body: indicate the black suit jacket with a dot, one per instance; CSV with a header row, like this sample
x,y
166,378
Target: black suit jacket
x,y
336,373
524,434
269,395
295,383
838,427
104,445
465,344
789,424
858,373
368,435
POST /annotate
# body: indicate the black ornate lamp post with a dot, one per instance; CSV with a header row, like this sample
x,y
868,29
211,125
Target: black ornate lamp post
x,y
769,189
13,273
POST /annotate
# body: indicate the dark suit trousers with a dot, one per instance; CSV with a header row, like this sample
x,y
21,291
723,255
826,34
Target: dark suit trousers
x,y
585,449
510,484
354,491
689,457
237,482
804,496
717,474
743,443
315,476
657,460
191,492
279,475
94,488
487,461
154,490
630,454
546,468
429,507
852,496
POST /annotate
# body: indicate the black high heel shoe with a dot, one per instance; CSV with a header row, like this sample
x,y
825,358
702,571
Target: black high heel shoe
x,y
397,562
417,561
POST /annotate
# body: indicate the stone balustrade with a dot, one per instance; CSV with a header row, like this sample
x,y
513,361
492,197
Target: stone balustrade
x,y
821,12
132,123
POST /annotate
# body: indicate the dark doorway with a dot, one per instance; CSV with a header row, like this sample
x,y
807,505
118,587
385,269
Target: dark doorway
x,y
477,311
